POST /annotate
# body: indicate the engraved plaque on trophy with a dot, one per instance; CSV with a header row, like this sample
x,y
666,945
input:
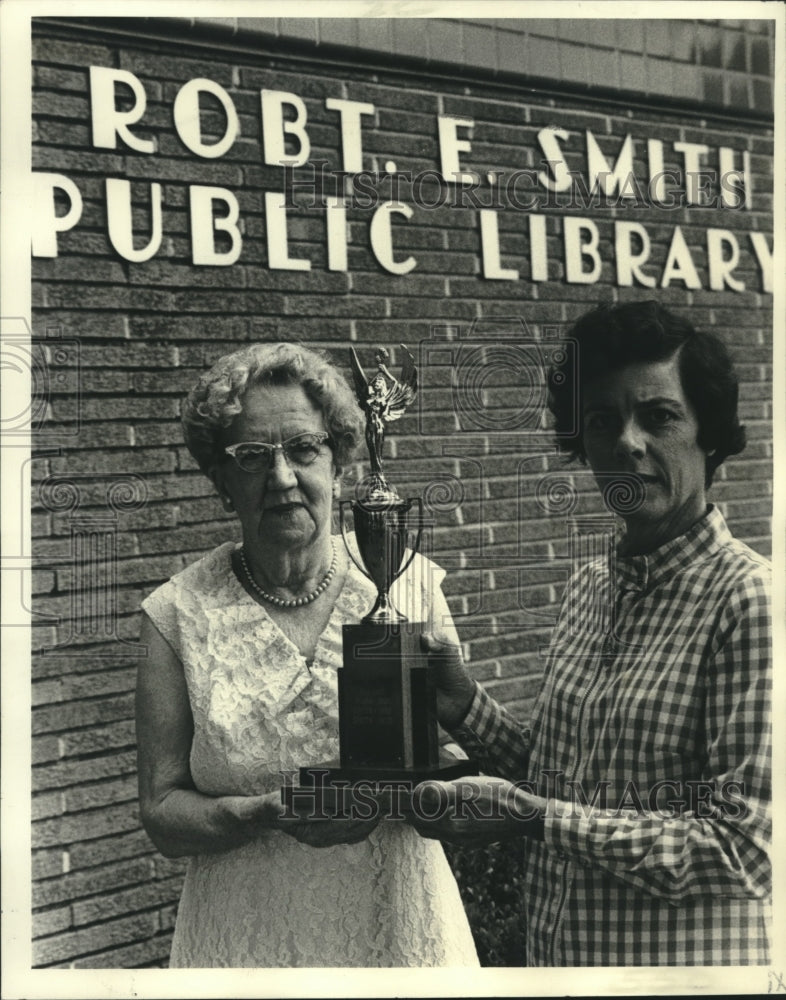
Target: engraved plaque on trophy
x,y
387,700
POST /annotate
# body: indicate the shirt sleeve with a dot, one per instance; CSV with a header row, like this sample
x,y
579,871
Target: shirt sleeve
x,y
718,843
439,621
488,734
161,608
491,736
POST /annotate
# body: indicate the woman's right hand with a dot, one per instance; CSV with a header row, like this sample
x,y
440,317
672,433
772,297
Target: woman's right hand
x,y
258,814
455,687
255,814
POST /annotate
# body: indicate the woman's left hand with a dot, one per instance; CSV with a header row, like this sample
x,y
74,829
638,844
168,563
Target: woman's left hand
x,y
476,811
327,832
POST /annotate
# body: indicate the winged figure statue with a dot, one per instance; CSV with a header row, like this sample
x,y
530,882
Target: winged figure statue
x,y
383,398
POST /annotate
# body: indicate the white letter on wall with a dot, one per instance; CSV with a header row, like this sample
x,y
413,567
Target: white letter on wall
x,y
187,123
450,146
489,242
764,257
600,173
336,233
46,224
657,176
547,137
720,268
736,188
576,251
108,122
204,226
628,263
121,226
277,240
692,153
275,129
538,248
351,145
381,235
679,263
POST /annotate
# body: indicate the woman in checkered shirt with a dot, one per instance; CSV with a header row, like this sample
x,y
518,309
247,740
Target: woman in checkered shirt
x,y
642,781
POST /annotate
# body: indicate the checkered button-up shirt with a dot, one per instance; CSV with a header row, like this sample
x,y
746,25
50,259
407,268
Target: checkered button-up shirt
x,y
651,739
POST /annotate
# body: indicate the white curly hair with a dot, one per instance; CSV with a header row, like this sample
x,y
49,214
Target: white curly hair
x,y
217,398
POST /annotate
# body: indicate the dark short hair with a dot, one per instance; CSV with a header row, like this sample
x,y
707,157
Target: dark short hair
x,y
611,337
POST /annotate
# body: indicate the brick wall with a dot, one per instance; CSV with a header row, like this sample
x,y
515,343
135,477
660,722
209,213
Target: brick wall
x,y
118,505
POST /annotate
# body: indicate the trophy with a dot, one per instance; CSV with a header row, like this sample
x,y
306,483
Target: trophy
x,y
386,697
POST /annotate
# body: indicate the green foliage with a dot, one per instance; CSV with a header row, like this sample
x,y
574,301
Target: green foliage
x,y
491,883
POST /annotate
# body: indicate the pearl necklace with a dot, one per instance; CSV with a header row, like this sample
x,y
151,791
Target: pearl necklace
x,y
296,602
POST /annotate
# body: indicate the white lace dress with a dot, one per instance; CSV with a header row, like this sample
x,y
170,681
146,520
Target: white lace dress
x,y
258,710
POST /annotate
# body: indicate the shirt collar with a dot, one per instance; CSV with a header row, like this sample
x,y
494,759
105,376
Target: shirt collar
x,y
706,536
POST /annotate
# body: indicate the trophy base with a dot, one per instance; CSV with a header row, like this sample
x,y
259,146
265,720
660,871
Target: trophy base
x,y
333,773
387,702
331,791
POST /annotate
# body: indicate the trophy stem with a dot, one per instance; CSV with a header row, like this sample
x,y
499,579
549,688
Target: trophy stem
x,y
384,612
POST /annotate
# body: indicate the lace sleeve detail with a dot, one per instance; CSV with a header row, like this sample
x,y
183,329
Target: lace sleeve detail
x,y
161,608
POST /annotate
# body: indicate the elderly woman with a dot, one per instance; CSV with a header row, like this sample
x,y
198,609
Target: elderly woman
x,y
239,685
643,778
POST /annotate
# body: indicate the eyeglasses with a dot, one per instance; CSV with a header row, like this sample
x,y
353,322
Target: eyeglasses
x,y
258,456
